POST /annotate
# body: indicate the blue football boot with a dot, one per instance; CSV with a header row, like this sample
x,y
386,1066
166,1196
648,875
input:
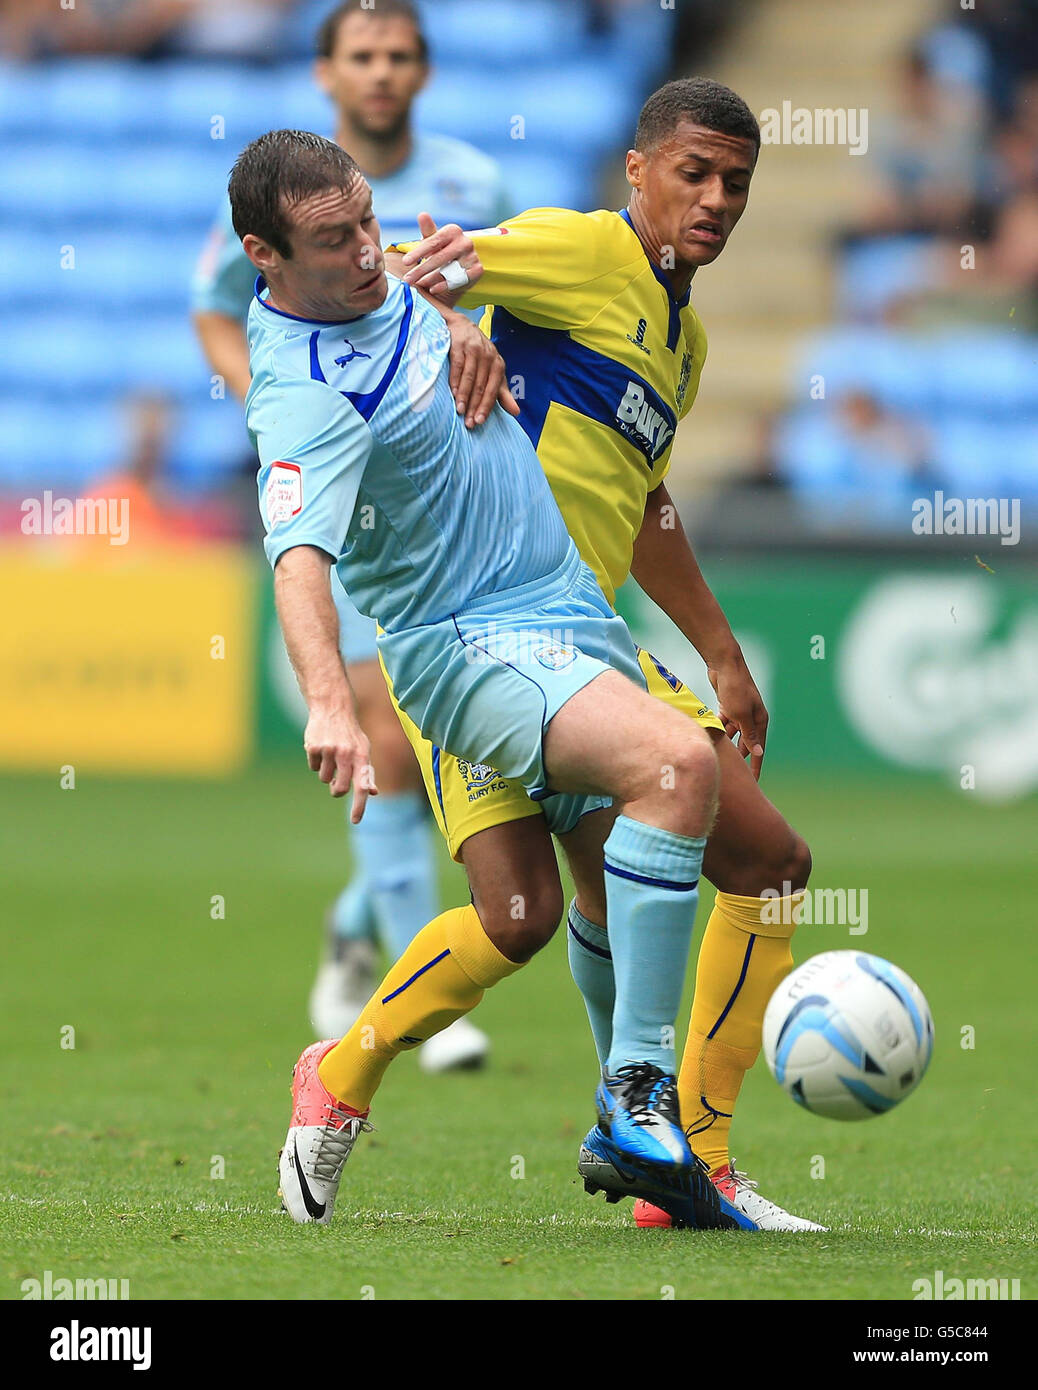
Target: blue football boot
x,y
687,1195
638,1110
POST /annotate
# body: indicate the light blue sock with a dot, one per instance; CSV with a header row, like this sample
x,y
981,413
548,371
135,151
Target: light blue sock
x,y
353,913
394,847
652,879
591,966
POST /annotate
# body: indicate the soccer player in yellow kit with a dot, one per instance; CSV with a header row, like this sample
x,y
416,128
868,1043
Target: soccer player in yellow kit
x,y
604,350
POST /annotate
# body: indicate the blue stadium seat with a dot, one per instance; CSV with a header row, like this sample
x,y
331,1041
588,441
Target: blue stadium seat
x,y
90,99
805,451
71,447
22,92
895,368
873,273
502,34
542,180
1020,457
87,353
115,272
991,372
561,107
293,102
113,167
211,441
980,457
65,448
53,185
169,187
967,454
192,101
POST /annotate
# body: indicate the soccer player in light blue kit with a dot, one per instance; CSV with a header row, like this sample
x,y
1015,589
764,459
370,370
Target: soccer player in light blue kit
x,y
372,63
500,646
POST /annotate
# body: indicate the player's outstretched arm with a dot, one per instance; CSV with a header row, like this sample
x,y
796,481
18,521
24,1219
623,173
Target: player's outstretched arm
x,y
444,263
477,370
336,746
667,570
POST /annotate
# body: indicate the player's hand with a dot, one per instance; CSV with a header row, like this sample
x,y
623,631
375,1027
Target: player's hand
x,y
477,372
436,249
338,750
740,708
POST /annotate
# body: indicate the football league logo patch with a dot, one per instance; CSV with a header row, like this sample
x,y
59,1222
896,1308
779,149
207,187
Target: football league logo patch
x,y
284,492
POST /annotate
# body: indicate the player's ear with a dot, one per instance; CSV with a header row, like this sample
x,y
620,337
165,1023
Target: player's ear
x,y
635,168
322,75
260,253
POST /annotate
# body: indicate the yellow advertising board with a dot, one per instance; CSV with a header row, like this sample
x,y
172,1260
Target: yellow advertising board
x,y
115,662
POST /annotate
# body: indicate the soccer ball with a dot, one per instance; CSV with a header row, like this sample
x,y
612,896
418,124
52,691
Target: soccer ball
x,y
848,1035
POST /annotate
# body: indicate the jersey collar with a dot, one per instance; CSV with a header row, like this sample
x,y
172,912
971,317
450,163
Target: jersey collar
x,y
674,305
261,285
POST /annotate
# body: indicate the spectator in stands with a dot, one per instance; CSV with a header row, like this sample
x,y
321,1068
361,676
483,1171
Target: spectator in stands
x,y
928,159
870,463
999,288
156,517
145,28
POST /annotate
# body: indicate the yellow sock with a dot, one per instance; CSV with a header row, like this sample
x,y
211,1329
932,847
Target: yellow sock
x,y
440,977
744,956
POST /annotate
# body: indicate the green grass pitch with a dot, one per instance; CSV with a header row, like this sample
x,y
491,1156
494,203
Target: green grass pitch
x,y
186,1029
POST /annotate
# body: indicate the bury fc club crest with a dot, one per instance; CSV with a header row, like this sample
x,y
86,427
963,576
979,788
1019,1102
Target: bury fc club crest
x,y
480,778
683,379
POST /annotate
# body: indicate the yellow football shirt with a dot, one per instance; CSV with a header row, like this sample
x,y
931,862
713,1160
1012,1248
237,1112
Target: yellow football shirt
x,y
603,360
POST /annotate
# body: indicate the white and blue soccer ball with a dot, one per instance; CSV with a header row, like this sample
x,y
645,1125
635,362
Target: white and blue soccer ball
x,y
848,1035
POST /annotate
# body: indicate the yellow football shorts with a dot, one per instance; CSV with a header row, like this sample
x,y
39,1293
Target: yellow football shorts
x,y
467,797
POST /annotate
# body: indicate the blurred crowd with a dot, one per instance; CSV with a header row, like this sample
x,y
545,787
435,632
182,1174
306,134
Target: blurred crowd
x,y
929,361
266,31
932,355
956,166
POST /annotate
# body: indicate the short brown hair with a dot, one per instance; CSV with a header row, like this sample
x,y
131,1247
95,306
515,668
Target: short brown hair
x,y
696,99
279,169
328,33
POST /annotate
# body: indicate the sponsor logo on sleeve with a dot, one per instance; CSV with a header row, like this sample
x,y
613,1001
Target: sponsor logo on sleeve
x,y
284,492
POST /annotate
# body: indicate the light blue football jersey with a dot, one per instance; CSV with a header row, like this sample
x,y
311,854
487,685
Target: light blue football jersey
x,y
363,455
449,179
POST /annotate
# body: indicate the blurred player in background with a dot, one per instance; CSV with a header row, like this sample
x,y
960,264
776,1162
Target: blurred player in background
x,y
593,318
372,63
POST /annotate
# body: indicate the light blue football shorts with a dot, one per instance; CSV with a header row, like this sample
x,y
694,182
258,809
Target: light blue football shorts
x,y
357,634
485,683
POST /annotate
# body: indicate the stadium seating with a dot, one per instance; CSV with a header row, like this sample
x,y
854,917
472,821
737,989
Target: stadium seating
x,y
116,169
974,393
